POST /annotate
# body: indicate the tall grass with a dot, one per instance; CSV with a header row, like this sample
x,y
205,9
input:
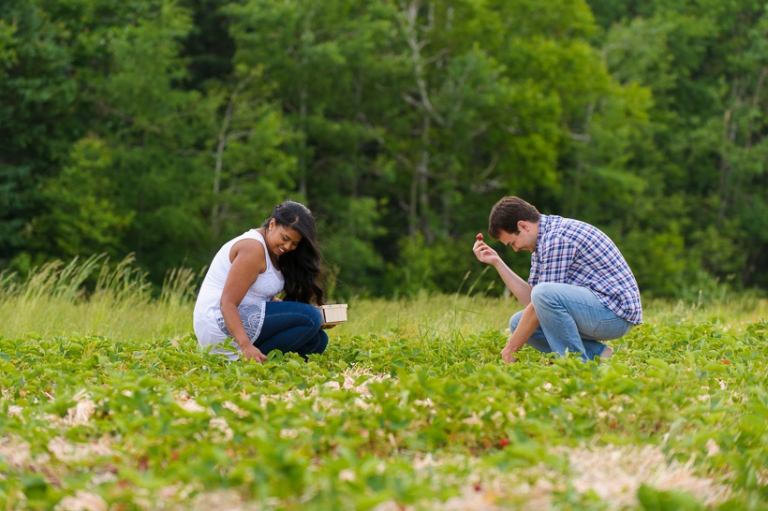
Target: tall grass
x,y
93,296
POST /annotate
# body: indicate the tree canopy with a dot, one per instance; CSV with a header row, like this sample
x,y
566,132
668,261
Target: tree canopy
x,y
164,128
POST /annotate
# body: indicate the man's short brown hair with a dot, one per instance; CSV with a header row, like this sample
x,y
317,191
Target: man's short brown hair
x,y
507,213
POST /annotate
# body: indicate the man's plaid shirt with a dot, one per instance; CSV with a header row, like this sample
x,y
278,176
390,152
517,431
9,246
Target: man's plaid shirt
x,y
573,252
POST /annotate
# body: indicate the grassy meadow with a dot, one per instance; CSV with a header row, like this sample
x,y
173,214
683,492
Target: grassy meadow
x,y
108,404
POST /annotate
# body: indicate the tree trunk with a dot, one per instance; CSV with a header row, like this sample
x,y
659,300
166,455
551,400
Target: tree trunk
x,y
221,145
303,148
422,177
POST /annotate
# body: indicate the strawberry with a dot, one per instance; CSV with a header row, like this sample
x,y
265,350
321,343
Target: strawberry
x,y
479,237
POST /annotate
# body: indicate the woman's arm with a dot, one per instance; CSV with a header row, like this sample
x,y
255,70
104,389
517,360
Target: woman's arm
x,y
248,261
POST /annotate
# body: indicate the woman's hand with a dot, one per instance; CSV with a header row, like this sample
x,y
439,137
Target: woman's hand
x,y
251,352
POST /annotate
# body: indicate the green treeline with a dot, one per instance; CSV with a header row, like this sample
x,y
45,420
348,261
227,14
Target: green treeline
x,y
165,128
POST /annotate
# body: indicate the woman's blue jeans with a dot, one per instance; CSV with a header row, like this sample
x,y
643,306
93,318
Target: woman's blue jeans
x,y
288,327
572,319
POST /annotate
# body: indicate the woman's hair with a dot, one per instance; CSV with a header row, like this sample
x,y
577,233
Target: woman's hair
x,y
507,213
300,267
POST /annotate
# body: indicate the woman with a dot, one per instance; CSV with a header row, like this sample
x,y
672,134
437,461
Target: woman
x,y
237,298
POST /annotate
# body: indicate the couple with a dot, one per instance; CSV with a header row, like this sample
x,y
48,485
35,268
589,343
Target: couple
x,y
580,290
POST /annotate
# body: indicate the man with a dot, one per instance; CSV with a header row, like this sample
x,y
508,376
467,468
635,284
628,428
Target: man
x,y
580,290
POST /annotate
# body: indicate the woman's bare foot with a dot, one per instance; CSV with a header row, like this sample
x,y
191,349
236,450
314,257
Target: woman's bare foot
x,y
607,352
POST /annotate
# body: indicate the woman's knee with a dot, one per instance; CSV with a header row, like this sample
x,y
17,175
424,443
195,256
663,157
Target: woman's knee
x,y
315,346
322,343
313,315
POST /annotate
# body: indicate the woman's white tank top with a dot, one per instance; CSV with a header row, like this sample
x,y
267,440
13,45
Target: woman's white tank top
x,y
208,306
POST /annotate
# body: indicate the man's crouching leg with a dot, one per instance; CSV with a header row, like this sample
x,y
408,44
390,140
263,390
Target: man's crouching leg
x,y
574,320
537,341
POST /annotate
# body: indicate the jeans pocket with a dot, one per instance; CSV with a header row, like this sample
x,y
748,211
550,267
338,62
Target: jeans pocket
x,y
612,329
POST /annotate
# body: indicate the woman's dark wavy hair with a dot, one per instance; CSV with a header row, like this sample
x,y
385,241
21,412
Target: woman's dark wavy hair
x,y
301,267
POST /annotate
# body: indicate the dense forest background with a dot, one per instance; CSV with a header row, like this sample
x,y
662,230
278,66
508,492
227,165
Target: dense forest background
x,y
163,128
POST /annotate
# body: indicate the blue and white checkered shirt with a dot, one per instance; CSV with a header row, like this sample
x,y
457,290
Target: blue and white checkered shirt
x,y
573,252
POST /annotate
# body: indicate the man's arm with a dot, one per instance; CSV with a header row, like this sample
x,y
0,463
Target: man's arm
x,y
528,324
517,285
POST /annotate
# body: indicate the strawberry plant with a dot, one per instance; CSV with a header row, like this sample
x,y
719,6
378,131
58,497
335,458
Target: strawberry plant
x,y
408,411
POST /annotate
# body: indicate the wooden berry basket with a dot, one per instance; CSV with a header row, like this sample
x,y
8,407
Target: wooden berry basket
x,y
333,314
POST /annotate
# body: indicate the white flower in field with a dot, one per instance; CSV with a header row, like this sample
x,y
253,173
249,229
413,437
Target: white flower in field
x,y
712,448
473,420
334,385
82,501
420,463
228,500
232,407
288,433
615,473
389,505
347,475
168,492
103,477
68,451
15,453
80,413
220,424
15,411
362,403
424,402
189,404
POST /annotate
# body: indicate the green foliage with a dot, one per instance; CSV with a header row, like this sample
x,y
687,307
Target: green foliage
x,y
164,128
654,500
410,407
82,217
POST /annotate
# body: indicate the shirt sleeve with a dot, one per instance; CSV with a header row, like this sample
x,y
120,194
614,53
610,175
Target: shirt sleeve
x,y
533,276
555,261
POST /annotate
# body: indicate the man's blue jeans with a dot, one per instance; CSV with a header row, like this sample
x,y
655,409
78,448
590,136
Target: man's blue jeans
x,y
288,327
572,319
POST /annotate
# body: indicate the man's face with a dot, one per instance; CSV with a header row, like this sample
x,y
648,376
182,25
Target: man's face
x,y
524,240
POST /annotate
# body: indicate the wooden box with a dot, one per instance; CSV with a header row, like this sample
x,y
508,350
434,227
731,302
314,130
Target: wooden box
x,y
333,314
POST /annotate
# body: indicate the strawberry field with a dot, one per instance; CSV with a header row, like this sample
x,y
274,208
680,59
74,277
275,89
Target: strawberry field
x,y
108,404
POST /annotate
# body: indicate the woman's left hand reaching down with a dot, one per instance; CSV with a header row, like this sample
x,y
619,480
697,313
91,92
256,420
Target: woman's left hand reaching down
x,y
251,352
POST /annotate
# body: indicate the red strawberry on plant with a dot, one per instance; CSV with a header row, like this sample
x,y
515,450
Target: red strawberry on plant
x,y
503,443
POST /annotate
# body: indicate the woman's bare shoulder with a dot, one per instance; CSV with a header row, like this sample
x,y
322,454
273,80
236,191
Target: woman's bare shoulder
x,y
247,249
